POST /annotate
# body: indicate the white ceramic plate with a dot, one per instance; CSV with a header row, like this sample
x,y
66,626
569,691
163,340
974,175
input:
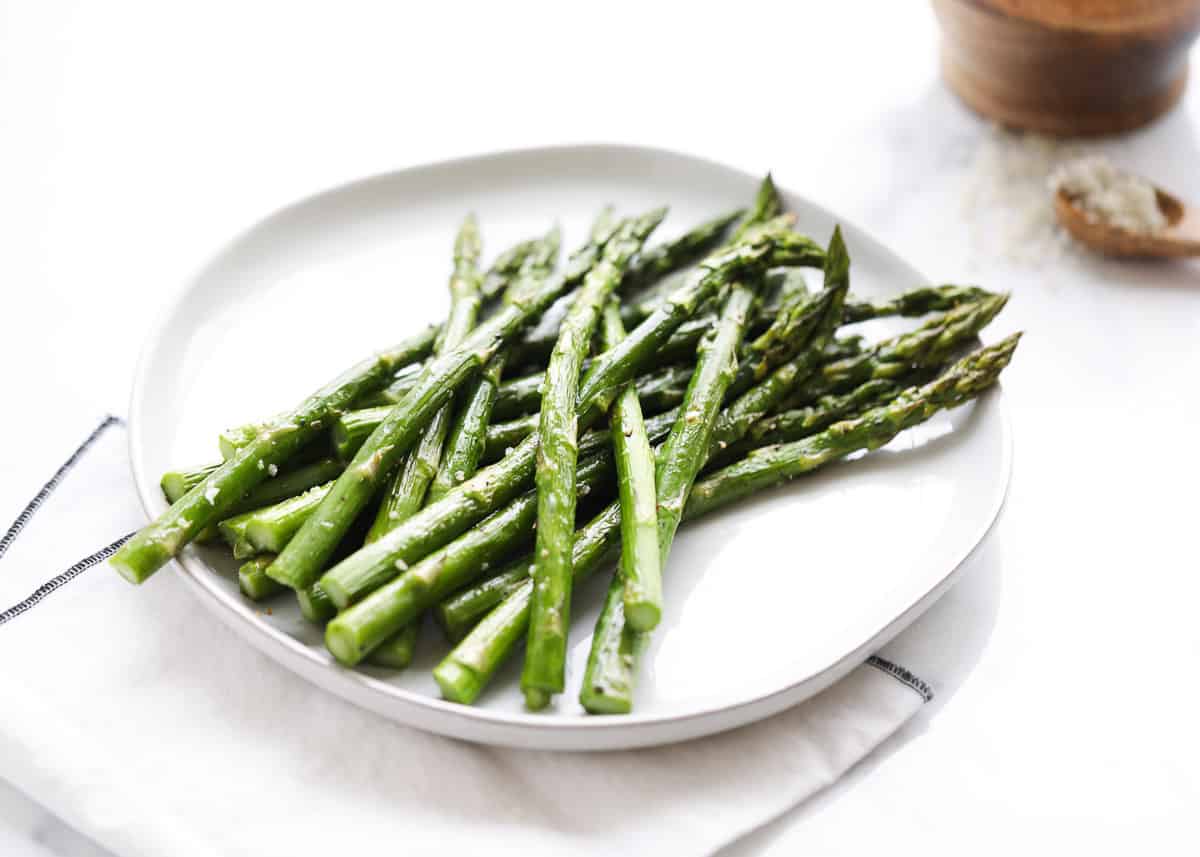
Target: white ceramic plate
x,y
766,603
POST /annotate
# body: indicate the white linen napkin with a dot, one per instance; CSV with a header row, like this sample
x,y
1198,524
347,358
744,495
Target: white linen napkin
x,y
141,721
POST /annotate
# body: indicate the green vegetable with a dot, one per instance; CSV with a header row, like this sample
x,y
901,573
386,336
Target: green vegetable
x,y
670,256
406,492
929,345
469,434
303,560
269,529
640,569
366,625
771,465
211,500
608,679
915,302
545,659
464,673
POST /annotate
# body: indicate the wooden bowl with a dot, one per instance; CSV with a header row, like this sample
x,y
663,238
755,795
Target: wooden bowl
x,y
1068,67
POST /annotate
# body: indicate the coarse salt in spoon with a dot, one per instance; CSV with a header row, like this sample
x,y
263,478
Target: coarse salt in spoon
x,y
1119,214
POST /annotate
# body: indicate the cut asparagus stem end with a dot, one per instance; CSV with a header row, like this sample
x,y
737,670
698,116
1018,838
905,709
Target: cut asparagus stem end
x,y
342,643
254,583
137,566
535,698
642,616
595,701
174,485
457,682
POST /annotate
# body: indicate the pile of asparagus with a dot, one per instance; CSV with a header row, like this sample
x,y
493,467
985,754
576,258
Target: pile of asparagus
x,y
560,418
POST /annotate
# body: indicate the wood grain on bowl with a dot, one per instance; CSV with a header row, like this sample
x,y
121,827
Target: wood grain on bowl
x,y
1068,67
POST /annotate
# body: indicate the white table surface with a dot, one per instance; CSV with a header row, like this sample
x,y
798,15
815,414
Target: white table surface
x,y
134,138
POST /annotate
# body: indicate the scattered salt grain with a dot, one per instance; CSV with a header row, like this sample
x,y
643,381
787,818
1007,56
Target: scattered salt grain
x,y
273,469
210,494
1109,195
1005,203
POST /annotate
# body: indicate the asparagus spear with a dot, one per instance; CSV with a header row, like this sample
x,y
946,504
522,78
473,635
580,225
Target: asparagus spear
x,y
687,445
827,410
920,301
801,339
210,500
508,266
690,442
798,423
656,393
406,495
607,686
176,483
363,627
435,525
768,245
767,205
395,391
491,487
273,527
791,331
771,465
406,491
269,529
460,612
401,381
464,673
302,561
930,344
670,256
545,660
253,580
495,280
640,569
467,438
610,667
611,670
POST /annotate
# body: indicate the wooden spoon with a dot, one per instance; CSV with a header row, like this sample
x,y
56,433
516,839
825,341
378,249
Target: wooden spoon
x,y
1181,237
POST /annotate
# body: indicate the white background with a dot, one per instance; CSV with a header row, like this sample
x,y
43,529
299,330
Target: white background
x,y
135,138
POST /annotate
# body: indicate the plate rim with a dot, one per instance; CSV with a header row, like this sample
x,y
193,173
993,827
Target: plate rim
x,y
430,713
